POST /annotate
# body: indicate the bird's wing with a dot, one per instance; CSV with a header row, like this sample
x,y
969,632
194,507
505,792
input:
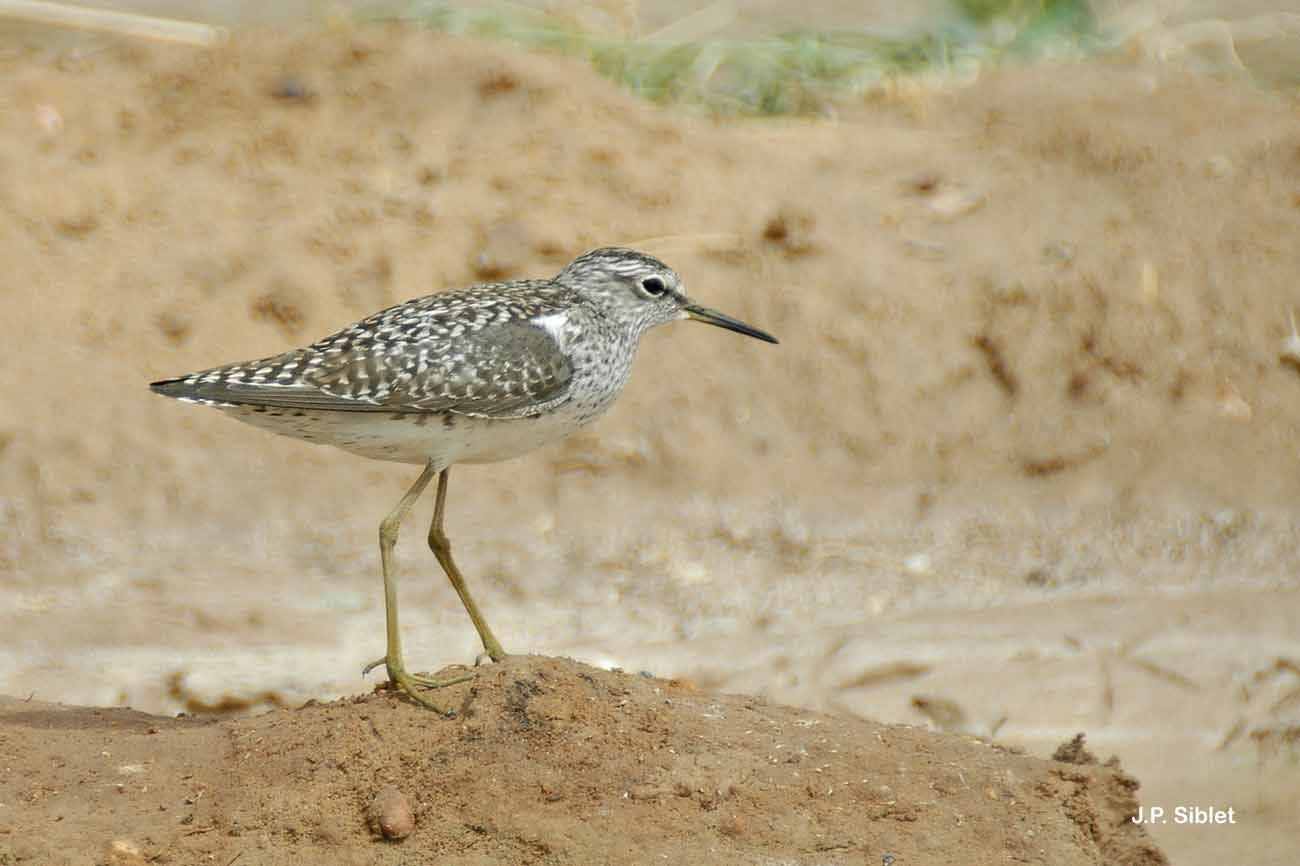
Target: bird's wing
x,y
500,369
503,370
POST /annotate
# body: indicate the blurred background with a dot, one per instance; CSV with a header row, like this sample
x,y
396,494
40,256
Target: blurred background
x,y
1024,464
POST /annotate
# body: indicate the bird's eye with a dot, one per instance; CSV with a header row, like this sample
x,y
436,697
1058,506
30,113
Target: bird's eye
x,y
654,286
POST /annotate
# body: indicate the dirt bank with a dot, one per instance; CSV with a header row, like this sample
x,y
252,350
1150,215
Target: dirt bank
x,y
547,761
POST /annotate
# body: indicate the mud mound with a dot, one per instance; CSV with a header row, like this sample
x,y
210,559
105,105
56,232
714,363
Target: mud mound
x,y
547,761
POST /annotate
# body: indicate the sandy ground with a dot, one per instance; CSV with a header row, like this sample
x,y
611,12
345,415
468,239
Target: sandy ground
x,y
1023,465
554,762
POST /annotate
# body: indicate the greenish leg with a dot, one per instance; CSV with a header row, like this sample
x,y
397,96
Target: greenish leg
x,y
393,657
441,547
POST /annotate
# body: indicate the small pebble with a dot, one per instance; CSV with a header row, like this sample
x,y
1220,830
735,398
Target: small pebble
x,y
292,89
918,563
391,814
124,852
949,204
49,119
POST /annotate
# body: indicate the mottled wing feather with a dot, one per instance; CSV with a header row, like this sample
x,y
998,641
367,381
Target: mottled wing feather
x,y
476,352
503,370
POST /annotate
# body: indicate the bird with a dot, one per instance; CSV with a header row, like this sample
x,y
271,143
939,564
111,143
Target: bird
x,y
476,375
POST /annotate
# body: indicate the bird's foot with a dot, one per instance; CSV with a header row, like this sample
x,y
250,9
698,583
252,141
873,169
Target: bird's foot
x,y
412,684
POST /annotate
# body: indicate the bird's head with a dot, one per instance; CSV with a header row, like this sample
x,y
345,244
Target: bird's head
x,y
640,291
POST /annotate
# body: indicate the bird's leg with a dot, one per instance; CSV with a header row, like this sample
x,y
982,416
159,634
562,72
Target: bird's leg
x,y
393,656
441,547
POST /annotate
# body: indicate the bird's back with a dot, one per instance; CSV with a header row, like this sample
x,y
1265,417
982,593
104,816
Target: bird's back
x,y
476,351
432,370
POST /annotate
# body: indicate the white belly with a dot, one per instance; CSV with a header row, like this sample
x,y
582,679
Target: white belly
x,y
414,438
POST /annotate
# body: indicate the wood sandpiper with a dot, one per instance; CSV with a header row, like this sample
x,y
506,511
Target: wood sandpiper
x,y
472,376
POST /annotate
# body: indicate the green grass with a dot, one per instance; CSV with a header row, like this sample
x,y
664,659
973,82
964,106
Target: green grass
x,y
798,72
